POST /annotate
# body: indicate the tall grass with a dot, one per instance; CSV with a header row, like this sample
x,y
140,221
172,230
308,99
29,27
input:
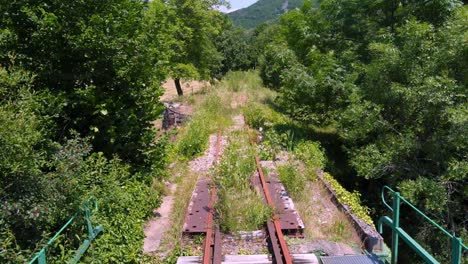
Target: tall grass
x,y
242,81
210,116
293,180
240,207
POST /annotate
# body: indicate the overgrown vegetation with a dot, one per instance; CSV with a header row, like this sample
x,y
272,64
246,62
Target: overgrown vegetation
x,y
239,206
293,180
388,82
79,90
351,199
193,138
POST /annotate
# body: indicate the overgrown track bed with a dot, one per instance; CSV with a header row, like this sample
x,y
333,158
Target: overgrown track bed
x,y
281,219
279,248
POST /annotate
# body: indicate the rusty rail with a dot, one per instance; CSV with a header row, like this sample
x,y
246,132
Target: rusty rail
x,y
212,248
279,247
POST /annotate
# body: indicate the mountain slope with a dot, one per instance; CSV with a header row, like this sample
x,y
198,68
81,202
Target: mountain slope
x,y
262,11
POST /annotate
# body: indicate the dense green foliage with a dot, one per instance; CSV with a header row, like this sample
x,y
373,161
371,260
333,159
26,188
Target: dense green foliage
x,y
263,11
196,25
238,53
389,78
79,90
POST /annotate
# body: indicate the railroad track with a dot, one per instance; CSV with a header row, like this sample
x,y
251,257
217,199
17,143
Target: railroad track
x,y
279,248
212,253
212,250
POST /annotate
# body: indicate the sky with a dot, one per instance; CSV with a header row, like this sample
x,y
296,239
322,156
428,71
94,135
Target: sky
x,y
237,4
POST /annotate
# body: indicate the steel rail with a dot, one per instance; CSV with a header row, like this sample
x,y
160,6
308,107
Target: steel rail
x,y
282,255
212,247
280,249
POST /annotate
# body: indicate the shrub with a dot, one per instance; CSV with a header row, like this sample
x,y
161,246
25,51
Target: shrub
x,y
311,154
124,204
254,115
194,138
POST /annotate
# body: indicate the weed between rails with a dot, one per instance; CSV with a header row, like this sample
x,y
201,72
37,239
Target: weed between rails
x,y
211,116
240,207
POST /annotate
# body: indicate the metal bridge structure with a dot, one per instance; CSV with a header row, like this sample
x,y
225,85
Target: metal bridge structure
x,y
84,211
457,246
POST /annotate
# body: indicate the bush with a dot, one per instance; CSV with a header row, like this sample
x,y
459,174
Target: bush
x,y
124,204
254,116
260,116
194,138
311,154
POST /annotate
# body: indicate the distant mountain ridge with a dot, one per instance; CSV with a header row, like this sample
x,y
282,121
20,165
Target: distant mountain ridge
x,y
262,11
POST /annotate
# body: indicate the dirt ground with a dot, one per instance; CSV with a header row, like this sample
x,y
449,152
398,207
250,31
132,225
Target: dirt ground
x,y
189,87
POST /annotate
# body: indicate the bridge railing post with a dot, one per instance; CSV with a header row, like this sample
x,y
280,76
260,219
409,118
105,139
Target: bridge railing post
x,y
396,225
456,250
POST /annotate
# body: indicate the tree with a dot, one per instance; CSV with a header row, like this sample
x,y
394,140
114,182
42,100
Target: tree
x,y
198,25
93,58
235,46
390,77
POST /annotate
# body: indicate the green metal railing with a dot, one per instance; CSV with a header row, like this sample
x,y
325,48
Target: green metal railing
x,y
93,232
397,232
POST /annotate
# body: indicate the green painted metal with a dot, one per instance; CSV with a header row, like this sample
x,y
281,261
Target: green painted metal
x,y
85,210
397,231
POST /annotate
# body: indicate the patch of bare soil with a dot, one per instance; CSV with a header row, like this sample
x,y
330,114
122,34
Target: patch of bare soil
x,y
189,87
239,100
326,221
238,123
204,163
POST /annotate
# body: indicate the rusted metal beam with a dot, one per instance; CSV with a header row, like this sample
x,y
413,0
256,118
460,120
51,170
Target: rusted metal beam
x,y
217,249
209,239
285,255
212,249
275,246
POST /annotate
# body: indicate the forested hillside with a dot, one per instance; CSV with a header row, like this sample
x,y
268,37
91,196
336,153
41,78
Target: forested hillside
x,y
263,11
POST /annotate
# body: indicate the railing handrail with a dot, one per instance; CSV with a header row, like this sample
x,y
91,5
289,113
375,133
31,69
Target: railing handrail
x,y
418,211
86,207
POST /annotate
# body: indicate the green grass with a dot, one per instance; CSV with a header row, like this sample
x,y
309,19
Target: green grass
x,y
340,231
210,116
293,180
240,208
241,81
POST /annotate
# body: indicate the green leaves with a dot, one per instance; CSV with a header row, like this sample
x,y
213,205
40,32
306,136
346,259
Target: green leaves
x,y
390,76
425,193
